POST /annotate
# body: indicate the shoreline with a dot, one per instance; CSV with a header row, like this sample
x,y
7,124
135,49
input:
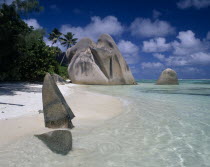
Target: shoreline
x,y
91,110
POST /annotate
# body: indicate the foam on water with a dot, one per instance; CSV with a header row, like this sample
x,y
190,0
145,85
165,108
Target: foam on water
x,y
162,126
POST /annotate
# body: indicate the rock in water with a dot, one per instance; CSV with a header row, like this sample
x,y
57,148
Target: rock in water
x,y
168,77
57,113
58,141
100,63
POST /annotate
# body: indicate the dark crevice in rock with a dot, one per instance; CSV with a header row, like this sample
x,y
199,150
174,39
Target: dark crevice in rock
x,y
98,60
110,66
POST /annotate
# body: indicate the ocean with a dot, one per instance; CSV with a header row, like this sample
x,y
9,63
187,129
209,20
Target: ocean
x,y
161,126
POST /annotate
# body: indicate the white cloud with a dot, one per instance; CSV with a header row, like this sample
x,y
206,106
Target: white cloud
x,y
54,7
147,28
96,27
187,43
77,11
186,50
129,51
159,56
156,45
34,23
8,2
208,35
49,43
198,4
153,65
156,14
199,58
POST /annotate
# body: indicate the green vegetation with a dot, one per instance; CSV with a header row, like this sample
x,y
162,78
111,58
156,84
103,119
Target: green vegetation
x,y
24,56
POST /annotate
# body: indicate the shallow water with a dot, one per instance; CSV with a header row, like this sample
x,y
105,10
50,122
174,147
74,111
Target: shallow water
x,y
161,126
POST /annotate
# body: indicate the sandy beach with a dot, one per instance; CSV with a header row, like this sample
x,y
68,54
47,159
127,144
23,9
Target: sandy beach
x,y
21,109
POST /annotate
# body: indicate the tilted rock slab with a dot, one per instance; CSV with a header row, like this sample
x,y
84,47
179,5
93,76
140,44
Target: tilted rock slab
x,y
57,113
98,63
168,77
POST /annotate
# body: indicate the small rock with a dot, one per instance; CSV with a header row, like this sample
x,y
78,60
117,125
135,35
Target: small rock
x,y
168,77
40,111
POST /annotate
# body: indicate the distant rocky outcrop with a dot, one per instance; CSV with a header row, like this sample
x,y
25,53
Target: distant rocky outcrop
x,y
168,77
57,113
98,63
58,141
58,79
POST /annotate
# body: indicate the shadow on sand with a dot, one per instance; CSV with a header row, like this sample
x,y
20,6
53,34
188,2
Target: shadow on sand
x,y
58,141
10,89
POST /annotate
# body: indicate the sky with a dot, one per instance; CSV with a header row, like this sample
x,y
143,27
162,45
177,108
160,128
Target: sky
x,y
151,35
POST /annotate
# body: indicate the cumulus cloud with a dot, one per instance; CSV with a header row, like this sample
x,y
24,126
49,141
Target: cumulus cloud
x,y
49,43
208,36
159,56
187,43
186,50
34,23
129,51
147,28
189,50
8,2
96,27
156,45
198,4
153,65
54,7
156,14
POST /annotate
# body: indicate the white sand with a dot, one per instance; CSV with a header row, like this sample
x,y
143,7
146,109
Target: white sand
x,y
20,103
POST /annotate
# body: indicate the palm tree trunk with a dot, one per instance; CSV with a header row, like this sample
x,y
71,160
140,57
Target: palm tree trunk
x,y
62,59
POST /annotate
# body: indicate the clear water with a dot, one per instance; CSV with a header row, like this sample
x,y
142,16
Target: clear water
x,y
161,126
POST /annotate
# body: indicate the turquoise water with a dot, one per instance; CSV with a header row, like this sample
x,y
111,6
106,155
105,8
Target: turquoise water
x,y
161,126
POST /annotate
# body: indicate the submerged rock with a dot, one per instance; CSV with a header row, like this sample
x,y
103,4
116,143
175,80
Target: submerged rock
x,y
57,113
168,77
100,63
58,141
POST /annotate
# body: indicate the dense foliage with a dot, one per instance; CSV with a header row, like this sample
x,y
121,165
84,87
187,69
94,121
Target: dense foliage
x,y
23,52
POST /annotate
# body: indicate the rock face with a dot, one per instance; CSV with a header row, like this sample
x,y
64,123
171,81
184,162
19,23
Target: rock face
x,y
168,77
98,63
58,79
57,113
58,141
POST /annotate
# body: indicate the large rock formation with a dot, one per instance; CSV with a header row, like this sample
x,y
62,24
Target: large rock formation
x,y
58,141
168,77
57,113
98,63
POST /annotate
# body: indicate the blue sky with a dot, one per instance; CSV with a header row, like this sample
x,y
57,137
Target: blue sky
x,y
151,35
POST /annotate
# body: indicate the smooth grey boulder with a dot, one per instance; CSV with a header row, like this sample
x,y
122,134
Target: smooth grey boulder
x,y
98,63
58,79
168,77
57,113
58,141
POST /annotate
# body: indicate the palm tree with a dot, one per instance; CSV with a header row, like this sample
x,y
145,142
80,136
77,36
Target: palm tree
x,y
55,36
68,41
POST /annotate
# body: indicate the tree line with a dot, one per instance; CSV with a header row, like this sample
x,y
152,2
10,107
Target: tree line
x,y
24,56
